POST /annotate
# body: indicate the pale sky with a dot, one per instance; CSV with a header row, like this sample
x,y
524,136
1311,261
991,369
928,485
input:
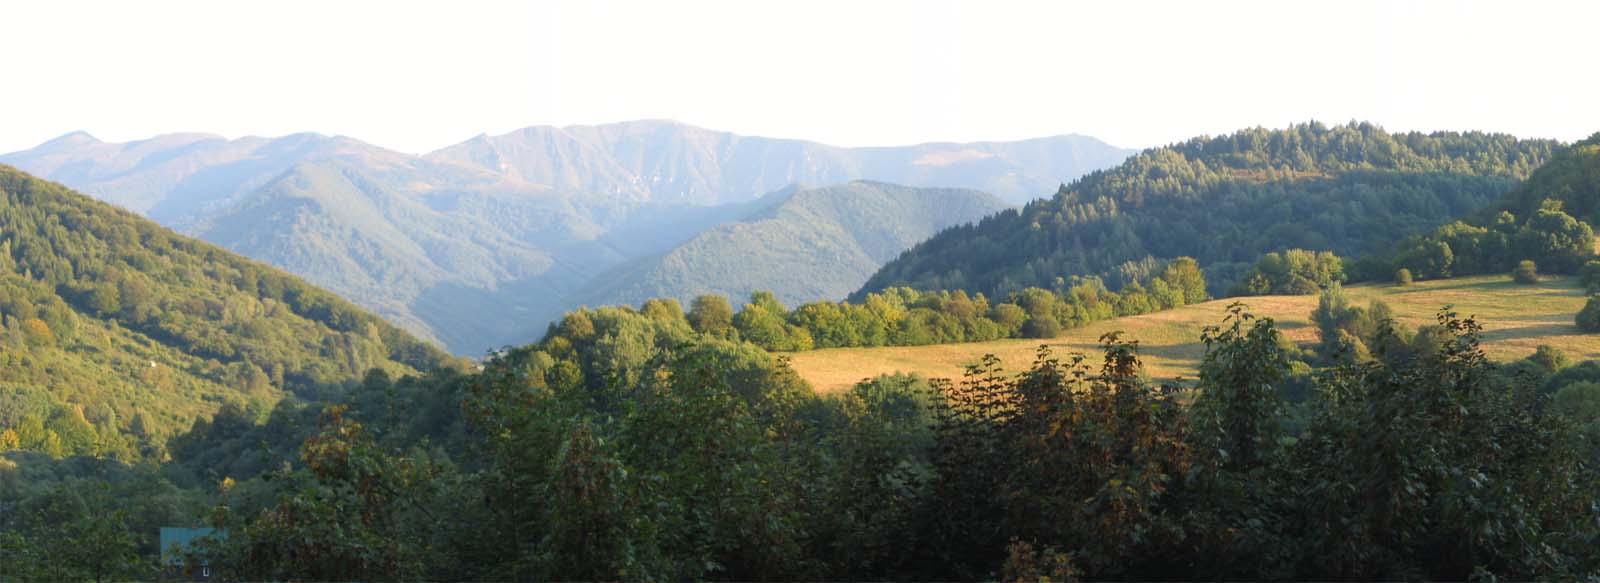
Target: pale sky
x,y
418,76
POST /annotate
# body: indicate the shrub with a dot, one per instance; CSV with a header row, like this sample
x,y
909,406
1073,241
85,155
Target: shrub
x,y
1588,318
1526,272
1041,326
1550,358
1402,277
1589,276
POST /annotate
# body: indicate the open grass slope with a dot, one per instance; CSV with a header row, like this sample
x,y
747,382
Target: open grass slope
x,y
1516,320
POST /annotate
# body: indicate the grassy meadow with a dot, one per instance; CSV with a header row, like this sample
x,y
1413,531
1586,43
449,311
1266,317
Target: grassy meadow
x,y
1516,319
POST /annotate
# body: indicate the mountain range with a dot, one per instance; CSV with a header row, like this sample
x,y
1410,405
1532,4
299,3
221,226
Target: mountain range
x,y
524,223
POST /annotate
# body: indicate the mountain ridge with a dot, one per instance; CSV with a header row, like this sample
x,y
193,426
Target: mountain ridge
x,y
808,244
508,224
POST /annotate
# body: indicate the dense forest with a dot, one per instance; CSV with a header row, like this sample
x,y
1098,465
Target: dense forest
x,y
1225,201
116,334
1547,220
625,445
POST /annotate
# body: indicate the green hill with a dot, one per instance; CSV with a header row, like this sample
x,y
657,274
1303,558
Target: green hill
x,y
118,333
1572,176
804,245
1225,201
1547,219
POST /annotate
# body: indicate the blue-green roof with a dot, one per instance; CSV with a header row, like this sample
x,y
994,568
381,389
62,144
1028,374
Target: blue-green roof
x,y
182,538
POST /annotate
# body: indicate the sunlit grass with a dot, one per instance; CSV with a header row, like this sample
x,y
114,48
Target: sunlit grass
x,y
1516,320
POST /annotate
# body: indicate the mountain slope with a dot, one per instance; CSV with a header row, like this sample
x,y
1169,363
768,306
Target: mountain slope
x,y
673,162
177,179
1225,201
807,245
111,319
509,225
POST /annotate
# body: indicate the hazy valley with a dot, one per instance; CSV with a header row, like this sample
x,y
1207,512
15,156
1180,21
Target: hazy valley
x,y
538,221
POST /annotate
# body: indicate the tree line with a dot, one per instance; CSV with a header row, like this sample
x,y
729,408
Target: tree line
x,y
638,448
907,317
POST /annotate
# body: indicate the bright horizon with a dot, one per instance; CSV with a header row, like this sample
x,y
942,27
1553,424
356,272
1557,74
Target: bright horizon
x,y
417,77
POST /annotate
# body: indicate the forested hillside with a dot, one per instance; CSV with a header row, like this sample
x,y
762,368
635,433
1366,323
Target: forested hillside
x,y
1225,201
1572,176
118,334
1547,221
812,244
521,223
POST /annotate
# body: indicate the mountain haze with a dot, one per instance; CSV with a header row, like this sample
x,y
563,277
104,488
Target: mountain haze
x,y
512,224
805,245
668,161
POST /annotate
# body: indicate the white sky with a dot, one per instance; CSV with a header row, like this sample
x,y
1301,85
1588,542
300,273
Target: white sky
x,y
419,76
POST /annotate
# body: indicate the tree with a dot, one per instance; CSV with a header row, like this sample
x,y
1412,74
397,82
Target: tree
x,y
380,503
1561,242
1402,277
104,299
1550,358
711,315
1184,274
1041,326
766,300
1526,272
664,309
1588,318
37,333
1589,276
760,327
1373,506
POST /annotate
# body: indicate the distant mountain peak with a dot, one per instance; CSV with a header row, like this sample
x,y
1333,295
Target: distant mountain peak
x,y
71,139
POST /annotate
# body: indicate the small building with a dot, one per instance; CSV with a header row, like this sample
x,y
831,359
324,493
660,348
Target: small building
x,y
176,545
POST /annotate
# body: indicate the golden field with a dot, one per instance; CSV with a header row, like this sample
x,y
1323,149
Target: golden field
x,y
1516,319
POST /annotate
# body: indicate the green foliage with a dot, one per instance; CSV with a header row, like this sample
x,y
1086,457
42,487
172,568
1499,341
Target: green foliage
x,y
625,445
1549,358
1589,276
76,538
1556,234
712,315
127,317
1570,178
380,502
1526,272
1295,272
1494,494
1580,403
1226,201
906,317
1348,332
1588,319
1402,277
